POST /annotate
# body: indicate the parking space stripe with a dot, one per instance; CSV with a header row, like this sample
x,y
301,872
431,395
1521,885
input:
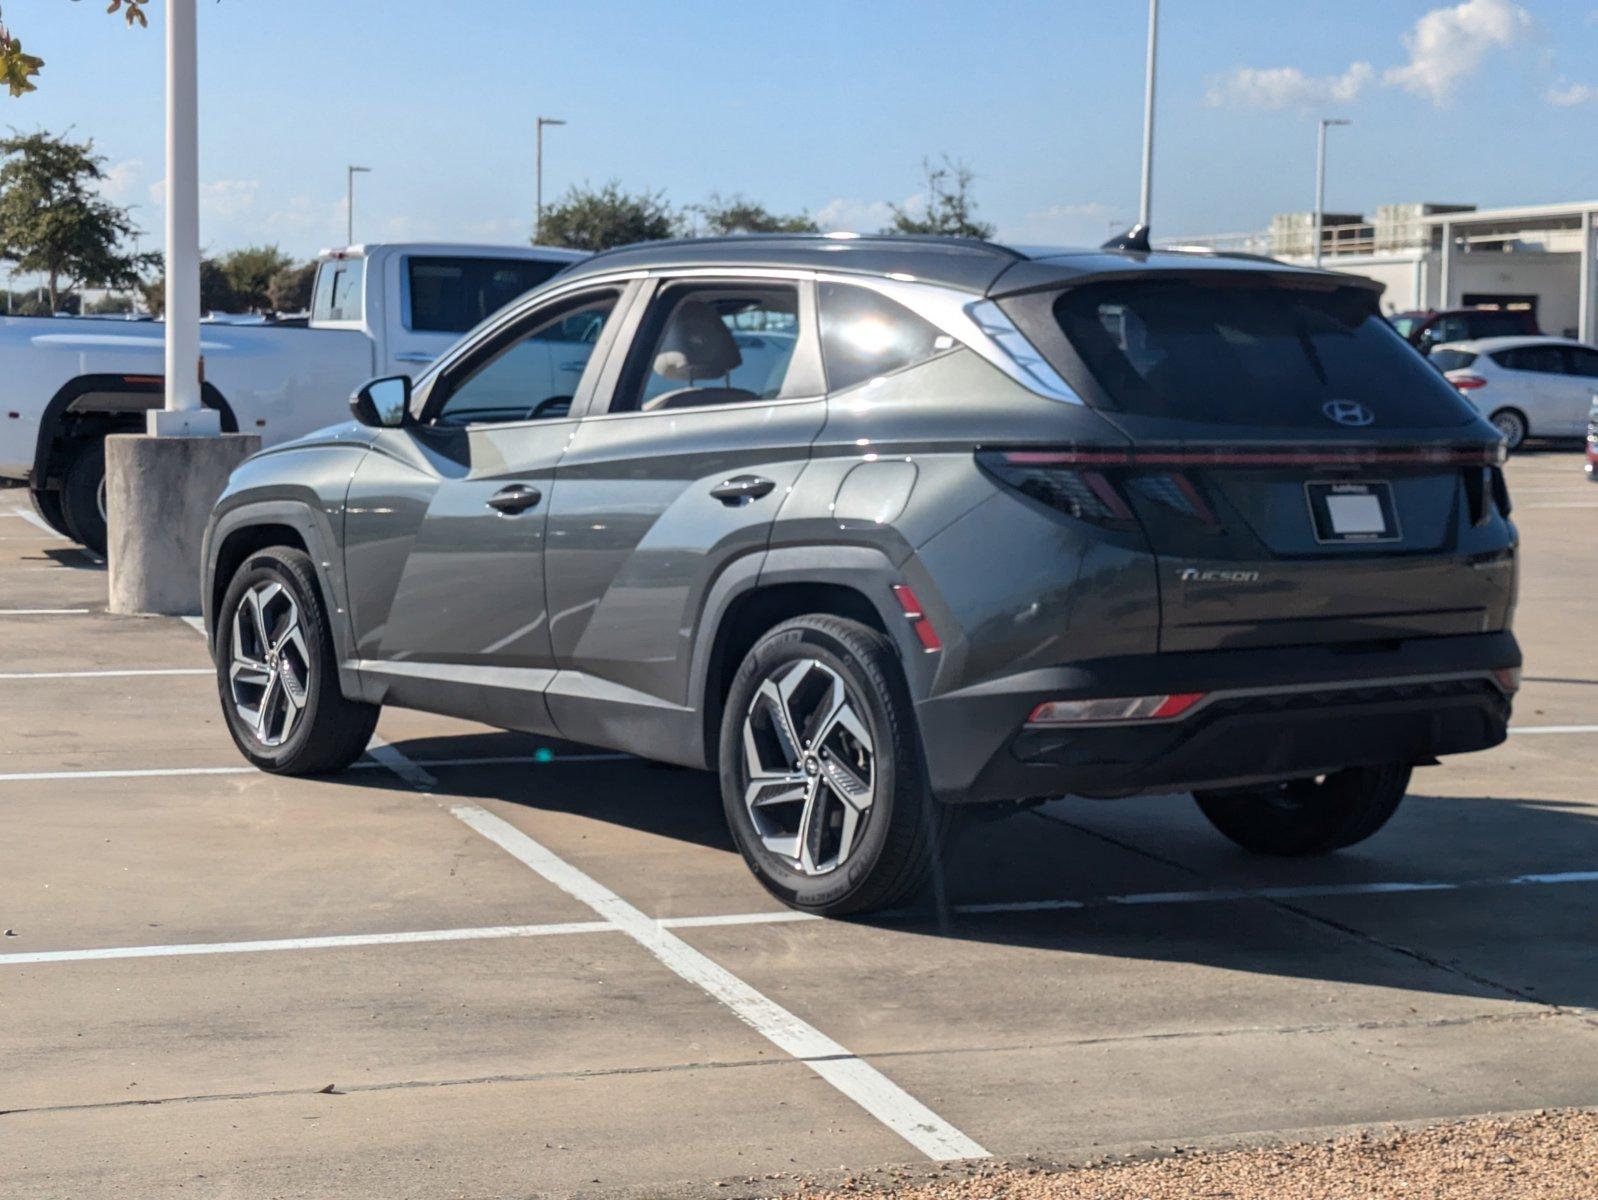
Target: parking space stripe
x,y
123,773
38,522
375,760
855,1078
1553,729
784,916
482,933
129,674
43,612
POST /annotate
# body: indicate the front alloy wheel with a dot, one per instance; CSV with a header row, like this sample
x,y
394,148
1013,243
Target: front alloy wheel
x,y
809,767
270,671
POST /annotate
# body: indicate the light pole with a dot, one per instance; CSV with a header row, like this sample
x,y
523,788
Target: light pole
x,y
182,226
1145,205
350,173
538,170
1320,179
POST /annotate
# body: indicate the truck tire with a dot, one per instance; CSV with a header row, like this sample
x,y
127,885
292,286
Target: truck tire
x,y
1308,816
83,497
48,506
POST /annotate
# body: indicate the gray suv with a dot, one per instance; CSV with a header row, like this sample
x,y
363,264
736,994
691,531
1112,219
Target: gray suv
x,y
876,527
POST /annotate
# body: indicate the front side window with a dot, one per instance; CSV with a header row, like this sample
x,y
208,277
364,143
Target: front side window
x,y
338,290
452,295
533,375
865,335
712,344
1249,352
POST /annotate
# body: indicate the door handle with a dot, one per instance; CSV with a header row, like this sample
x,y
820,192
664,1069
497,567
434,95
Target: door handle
x,y
741,489
414,356
515,499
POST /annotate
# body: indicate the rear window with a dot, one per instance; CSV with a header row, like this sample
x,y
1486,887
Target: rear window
x,y
338,290
1248,353
452,295
1452,360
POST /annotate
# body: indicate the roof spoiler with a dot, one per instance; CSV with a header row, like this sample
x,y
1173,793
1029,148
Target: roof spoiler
x,y
1135,238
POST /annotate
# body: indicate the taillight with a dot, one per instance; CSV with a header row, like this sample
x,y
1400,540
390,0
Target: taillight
x,y
1120,708
1467,383
1074,490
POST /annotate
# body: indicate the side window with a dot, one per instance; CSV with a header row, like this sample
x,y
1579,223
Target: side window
x,y
1450,329
708,344
534,374
1545,360
1452,360
452,295
864,335
1583,361
338,290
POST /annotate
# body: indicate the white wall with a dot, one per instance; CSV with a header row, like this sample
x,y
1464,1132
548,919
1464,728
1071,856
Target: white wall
x,y
1555,279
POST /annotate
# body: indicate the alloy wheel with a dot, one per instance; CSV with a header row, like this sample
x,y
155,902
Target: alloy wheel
x,y
270,671
809,767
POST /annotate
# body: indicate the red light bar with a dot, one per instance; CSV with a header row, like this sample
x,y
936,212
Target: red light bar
x,y
1351,456
913,612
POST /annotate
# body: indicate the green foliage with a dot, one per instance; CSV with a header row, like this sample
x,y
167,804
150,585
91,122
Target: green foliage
x,y
250,271
587,218
54,221
112,304
18,69
950,210
290,289
737,214
216,290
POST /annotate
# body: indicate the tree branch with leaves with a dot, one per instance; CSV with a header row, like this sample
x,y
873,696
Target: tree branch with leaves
x,y
17,68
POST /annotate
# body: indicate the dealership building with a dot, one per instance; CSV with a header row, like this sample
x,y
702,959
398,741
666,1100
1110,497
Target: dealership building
x,y
1537,257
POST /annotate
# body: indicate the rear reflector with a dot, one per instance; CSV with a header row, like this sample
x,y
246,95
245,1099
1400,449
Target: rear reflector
x,y
1508,678
925,634
1124,708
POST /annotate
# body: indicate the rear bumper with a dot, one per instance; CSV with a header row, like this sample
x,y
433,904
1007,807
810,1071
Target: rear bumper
x,y
1269,714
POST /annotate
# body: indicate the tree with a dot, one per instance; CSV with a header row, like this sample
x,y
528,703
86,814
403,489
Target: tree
x,y
250,272
18,69
216,292
290,289
54,221
737,214
950,210
589,219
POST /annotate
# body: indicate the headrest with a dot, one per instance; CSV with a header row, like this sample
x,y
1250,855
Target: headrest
x,y
696,345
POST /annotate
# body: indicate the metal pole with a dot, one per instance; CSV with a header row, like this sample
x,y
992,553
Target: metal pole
x,y
538,170
1320,181
182,211
349,201
1144,206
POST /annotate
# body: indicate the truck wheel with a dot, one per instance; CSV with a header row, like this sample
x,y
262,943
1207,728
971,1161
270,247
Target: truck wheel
x,y
277,670
1308,816
83,497
821,774
48,506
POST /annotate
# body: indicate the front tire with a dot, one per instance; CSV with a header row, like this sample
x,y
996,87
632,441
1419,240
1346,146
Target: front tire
x,y
1308,816
83,498
821,774
277,670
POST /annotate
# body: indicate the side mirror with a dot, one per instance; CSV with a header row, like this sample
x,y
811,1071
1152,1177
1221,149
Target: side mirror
x,y
383,403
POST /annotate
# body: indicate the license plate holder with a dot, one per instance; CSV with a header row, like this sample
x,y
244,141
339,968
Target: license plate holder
x,y
1343,511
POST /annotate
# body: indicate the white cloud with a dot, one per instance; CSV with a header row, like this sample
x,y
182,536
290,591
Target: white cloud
x,y
1568,95
1448,44
1288,87
1065,225
122,180
221,198
858,216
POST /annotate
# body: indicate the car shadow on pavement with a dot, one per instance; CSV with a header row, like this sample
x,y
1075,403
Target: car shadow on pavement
x,y
1078,862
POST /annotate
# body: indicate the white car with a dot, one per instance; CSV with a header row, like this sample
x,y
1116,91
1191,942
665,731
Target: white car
x,y
375,310
1526,386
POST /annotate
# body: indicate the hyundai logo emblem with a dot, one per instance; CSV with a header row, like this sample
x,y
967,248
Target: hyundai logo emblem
x,y
1348,412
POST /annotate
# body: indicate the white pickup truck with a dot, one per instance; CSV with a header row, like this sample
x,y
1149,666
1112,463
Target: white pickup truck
x,y
66,382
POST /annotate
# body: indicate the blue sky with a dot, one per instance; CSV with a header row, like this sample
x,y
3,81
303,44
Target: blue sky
x,y
826,106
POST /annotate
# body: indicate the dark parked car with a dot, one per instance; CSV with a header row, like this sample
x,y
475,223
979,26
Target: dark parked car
x,y
876,527
1432,327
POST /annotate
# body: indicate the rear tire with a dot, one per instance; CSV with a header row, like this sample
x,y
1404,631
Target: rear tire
x,y
844,822
1512,424
48,506
83,498
278,675
1308,816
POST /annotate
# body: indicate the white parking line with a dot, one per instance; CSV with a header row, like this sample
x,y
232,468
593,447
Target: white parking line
x,y
1569,504
481,933
855,1078
367,764
43,612
130,674
1553,729
34,519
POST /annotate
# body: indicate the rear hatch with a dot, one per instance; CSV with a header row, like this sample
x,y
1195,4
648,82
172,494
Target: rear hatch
x,y
1301,474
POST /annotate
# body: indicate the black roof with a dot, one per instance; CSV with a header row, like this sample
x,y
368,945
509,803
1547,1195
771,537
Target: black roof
x,y
985,268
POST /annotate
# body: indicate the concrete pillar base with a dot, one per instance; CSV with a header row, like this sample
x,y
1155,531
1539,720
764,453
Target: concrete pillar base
x,y
159,494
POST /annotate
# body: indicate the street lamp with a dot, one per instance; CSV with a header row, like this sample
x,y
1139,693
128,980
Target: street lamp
x,y
1320,179
538,186
350,173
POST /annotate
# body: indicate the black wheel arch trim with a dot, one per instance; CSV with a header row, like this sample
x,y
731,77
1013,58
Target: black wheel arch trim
x,y
55,412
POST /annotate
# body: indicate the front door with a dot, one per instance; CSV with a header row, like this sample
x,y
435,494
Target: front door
x,y
445,527
709,422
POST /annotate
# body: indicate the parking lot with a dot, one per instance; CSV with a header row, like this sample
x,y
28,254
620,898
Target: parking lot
x,y
489,964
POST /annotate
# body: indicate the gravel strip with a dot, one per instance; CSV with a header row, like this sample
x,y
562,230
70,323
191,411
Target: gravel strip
x,y
1548,1155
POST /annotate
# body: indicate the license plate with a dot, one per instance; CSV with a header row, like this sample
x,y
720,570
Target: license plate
x,y
1352,512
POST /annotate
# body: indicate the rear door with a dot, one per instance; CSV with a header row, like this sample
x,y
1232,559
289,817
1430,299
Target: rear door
x,y
698,435
1538,385
1581,381
1301,474
443,296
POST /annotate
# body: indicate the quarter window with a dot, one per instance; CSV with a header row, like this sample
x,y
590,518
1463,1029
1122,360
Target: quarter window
x,y
533,375
1452,360
712,344
864,335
